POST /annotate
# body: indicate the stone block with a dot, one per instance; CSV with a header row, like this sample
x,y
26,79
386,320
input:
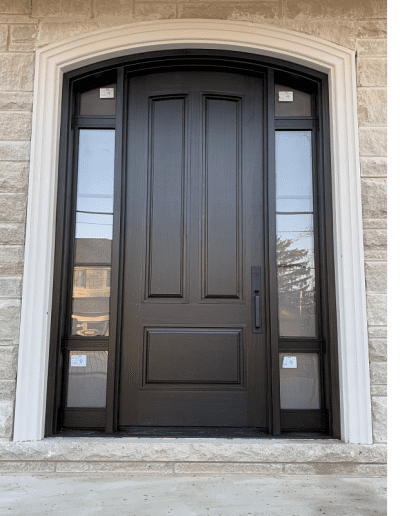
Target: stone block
x,y
15,151
372,47
52,31
11,287
15,126
154,11
357,9
115,9
8,358
373,167
375,239
376,277
15,6
6,417
372,71
74,9
21,101
342,469
26,467
377,309
7,390
10,315
217,469
12,233
22,38
16,72
377,350
14,176
3,37
373,142
374,198
12,207
379,419
228,10
379,256
378,372
115,467
372,29
372,107
377,332
378,390
374,223
11,260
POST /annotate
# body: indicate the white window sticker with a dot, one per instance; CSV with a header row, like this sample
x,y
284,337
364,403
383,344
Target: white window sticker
x,y
78,360
106,93
286,96
289,363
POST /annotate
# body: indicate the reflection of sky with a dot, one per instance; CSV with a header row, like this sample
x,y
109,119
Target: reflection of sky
x,y
95,183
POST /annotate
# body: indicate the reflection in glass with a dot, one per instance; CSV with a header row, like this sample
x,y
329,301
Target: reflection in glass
x,y
300,385
90,301
295,234
87,382
300,106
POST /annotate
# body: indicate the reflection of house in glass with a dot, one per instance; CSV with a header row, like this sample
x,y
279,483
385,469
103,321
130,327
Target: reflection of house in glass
x,y
91,288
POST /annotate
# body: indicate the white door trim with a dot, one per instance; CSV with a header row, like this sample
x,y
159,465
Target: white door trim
x,y
54,60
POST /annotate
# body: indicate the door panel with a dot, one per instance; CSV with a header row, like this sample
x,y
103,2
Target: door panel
x,y
194,228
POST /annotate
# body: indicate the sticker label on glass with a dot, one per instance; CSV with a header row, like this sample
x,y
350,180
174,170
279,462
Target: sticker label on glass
x,y
106,93
78,361
286,96
289,363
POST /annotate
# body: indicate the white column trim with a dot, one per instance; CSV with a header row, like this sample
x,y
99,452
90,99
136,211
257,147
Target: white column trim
x,y
55,59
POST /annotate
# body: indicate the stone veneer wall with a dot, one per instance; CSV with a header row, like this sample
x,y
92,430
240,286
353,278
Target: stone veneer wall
x,y
356,24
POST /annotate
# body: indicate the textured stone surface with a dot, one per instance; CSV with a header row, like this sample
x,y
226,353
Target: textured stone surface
x,y
11,260
374,223
154,11
12,233
376,309
373,142
210,468
372,47
15,6
22,38
183,450
336,9
376,277
8,358
379,419
116,9
16,72
27,467
15,151
3,37
12,207
52,31
373,167
372,104
6,417
228,10
374,198
115,467
372,29
379,256
14,176
15,126
7,390
74,9
336,469
11,287
378,371
372,71
377,350
378,390
10,312
377,332
21,101
375,239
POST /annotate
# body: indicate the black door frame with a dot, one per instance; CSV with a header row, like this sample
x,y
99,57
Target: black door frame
x,y
116,70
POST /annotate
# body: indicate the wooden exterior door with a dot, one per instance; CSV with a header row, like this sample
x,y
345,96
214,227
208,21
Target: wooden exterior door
x,y
193,348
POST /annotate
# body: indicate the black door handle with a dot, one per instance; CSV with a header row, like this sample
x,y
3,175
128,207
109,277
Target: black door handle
x,y
256,297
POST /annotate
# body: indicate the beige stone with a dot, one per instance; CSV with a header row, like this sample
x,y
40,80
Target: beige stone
x,y
74,9
10,315
12,207
115,467
377,332
377,350
357,9
15,151
379,256
379,419
16,72
378,390
12,233
372,107
21,101
7,390
154,11
17,18
6,417
228,10
372,47
115,9
26,467
373,142
11,287
3,37
11,260
214,468
52,31
373,167
374,198
377,309
345,469
15,6
15,126
22,38
374,223
372,29
14,176
378,371
376,277
8,357
372,71
375,239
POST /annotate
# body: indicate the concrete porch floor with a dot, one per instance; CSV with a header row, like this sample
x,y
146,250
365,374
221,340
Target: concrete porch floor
x,y
161,495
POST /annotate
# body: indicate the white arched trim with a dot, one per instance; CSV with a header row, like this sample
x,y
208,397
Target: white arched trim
x,y
54,60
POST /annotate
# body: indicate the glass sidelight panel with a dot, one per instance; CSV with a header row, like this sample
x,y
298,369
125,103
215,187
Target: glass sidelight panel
x,y
291,102
98,101
299,380
87,379
295,234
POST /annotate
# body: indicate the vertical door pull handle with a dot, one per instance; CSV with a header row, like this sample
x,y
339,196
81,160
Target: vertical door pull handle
x,y
257,312
256,299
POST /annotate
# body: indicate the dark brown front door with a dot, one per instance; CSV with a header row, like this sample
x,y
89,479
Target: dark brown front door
x,y
192,352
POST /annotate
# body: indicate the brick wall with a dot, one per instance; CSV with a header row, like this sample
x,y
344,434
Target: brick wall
x,y
359,25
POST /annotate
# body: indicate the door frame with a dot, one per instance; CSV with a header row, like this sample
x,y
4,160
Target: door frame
x,y
338,63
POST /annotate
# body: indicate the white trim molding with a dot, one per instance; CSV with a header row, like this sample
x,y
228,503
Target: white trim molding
x,y
54,60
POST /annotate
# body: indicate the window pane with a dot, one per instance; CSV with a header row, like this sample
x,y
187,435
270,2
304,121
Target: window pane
x,y
87,379
300,384
299,106
90,301
91,102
